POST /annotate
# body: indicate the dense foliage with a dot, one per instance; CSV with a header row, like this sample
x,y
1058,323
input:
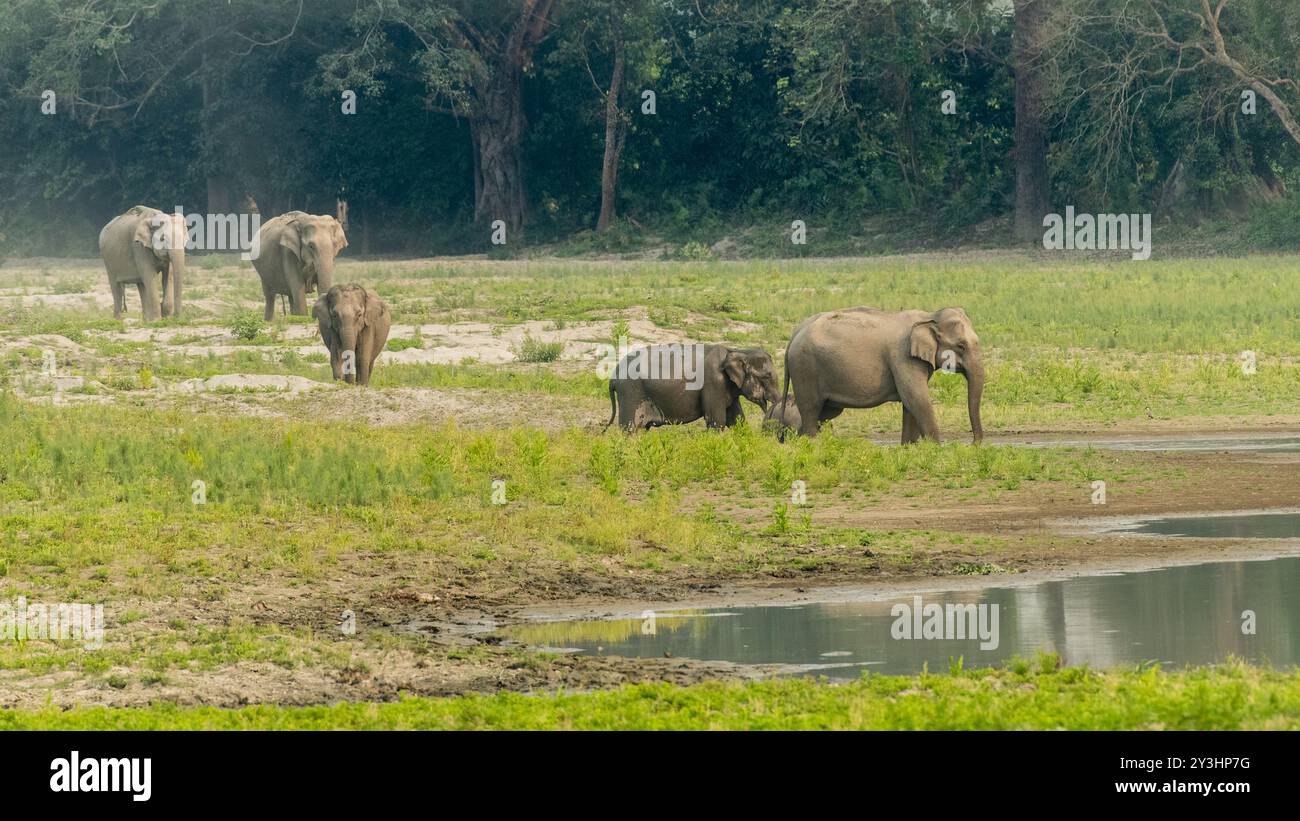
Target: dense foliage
x,y
763,110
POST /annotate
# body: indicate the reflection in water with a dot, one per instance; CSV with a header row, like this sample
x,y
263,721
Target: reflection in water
x,y
1179,616
1286,443
1234,525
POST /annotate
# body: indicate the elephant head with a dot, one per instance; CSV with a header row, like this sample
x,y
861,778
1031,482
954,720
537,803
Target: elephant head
x,y
753,373
342,314
946,341
164,235
315,240
783,415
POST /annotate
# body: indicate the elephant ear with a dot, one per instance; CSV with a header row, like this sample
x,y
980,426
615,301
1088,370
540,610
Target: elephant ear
x,y
340,239
924,340
735,367
291,237
321,310
376,308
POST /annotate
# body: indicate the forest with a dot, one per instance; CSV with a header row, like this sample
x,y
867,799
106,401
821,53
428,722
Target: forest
x,y
612,125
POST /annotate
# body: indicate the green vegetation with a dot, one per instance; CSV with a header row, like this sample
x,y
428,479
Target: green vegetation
x,y
1024,696
96,497
533,350
246,325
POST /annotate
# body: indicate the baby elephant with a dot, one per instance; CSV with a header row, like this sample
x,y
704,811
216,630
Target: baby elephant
x,y
354,324
782,414
679,383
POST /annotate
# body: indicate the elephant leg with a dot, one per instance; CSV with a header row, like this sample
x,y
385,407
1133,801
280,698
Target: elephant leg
x,y
148,300
716,409
915,395
735,413
146,266
166,291
629,403
810,410
911,431
365,355
269,296
119,298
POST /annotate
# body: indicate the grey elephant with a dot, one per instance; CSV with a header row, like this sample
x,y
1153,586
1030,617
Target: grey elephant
x,y
781,416
863,357
137,247
676,384
354,324
295,255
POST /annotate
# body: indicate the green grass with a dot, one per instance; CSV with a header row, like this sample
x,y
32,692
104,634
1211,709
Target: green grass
x,y
1024,696
1069,339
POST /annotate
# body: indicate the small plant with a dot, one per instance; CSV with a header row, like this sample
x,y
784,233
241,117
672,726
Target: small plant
x,y
619,333
535,350
695,251
246,325
146,377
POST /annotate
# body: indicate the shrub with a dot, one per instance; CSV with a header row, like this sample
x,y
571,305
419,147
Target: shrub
x,y
246,325
534,350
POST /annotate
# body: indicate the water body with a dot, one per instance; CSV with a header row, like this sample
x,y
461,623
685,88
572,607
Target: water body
x,y
1188,615
1272,443
1284,525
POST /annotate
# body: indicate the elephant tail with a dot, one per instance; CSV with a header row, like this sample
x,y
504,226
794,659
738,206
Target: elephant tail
x,y
613,405
785,394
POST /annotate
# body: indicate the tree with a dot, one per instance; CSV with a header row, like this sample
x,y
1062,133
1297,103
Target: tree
x,y
473,56
1033,182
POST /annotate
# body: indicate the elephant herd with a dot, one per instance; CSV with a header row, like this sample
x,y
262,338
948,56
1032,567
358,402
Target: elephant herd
x,y
295,255
848,358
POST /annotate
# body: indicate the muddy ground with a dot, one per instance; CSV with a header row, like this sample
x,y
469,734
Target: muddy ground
x,y
409,597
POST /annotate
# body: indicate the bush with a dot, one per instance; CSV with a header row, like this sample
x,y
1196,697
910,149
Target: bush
x,y
534,350
246,325
1275,225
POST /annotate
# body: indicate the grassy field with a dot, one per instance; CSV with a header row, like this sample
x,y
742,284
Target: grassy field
x,y
1024,696
325,498
1159,339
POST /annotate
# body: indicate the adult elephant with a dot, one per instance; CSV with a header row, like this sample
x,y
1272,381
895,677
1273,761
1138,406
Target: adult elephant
x,y
863,357
353,320
136,248
677,384
295,255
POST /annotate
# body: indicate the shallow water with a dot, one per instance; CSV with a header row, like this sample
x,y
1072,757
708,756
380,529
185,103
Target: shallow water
x,y
1185,615
1226,526
1274,443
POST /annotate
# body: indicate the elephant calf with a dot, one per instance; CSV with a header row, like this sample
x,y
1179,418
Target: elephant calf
x,y
676,384
782,415
354,324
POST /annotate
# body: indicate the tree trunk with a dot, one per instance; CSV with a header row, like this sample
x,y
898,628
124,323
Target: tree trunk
x,y
1032,181
497,129
219,194
615,133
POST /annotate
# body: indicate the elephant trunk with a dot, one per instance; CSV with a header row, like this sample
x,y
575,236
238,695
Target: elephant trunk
x,y
324,273
974,394
348,336
176,271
